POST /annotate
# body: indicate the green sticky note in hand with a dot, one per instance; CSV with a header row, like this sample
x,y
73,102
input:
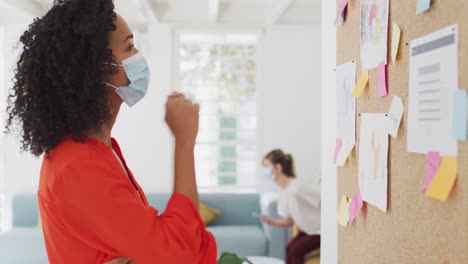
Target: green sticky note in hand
x,y
230,258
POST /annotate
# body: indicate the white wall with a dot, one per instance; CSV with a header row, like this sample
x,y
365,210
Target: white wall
x,y
21,170
329,248
289,96
2,107
142,133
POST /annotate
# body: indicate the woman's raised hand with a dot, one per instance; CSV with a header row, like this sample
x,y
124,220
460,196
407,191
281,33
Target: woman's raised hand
x,y
182,118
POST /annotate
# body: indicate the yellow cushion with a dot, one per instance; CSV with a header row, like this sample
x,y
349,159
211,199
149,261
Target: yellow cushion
x,y
208,214
314,260
295,230
313,254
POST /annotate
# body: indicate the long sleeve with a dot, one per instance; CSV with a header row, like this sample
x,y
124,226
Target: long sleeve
x,y
102,209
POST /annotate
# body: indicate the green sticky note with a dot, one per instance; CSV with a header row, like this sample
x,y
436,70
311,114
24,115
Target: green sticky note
x,y
460,115
343,211
423,5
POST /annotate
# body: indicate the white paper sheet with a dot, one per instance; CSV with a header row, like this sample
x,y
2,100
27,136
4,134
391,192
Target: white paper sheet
x,y
374,32
373,154
432,82
346,104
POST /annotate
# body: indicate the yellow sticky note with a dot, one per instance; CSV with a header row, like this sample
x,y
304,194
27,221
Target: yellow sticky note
x,y
444,179
396,34
343,211
361,84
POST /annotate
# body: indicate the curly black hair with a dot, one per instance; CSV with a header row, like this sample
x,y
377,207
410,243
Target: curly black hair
x,y
58,85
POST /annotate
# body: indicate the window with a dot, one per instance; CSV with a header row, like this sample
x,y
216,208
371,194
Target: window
x,y
219,71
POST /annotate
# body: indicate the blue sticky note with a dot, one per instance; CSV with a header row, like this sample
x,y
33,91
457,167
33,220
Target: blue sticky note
x,y
460,115
423,5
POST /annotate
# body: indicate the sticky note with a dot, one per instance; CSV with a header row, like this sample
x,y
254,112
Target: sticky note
x,y
394,116
460,115
341,9
382,79
361,84
422,6
433,164
343,211
444,179
346,148
355,205
339,143
396,34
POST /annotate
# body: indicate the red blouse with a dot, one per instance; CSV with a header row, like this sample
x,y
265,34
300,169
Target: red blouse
x,y
92,212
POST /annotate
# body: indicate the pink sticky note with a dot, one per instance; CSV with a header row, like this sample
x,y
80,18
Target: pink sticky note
x,y
433,164
372,13
355,206
340,10
339,143
382,80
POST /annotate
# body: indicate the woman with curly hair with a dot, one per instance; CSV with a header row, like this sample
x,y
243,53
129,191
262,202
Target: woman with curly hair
x,y
77,66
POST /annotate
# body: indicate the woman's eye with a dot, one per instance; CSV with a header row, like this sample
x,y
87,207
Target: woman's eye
x,y
130,47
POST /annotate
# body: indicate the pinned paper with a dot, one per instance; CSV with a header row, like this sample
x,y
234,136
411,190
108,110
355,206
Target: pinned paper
x,y
433,79
355,205
444,179
341,9
460,115
423,5
343,211
339,143
361,84
374,32
394,116
396,34
346,148
382,80
373,160
433,164
345,103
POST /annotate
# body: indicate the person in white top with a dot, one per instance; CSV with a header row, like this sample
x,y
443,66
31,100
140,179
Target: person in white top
x,y
298,204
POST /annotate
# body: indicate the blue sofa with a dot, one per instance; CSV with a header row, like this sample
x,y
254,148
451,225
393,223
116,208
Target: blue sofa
x,y
236,230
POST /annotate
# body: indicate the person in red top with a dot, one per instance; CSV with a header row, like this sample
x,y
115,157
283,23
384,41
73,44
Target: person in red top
x,y
77,66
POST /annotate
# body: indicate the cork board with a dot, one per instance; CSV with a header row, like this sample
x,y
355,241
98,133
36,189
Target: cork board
x,y
415,229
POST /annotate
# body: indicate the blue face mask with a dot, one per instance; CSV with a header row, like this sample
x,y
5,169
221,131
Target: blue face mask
x,y
268,174
138,73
